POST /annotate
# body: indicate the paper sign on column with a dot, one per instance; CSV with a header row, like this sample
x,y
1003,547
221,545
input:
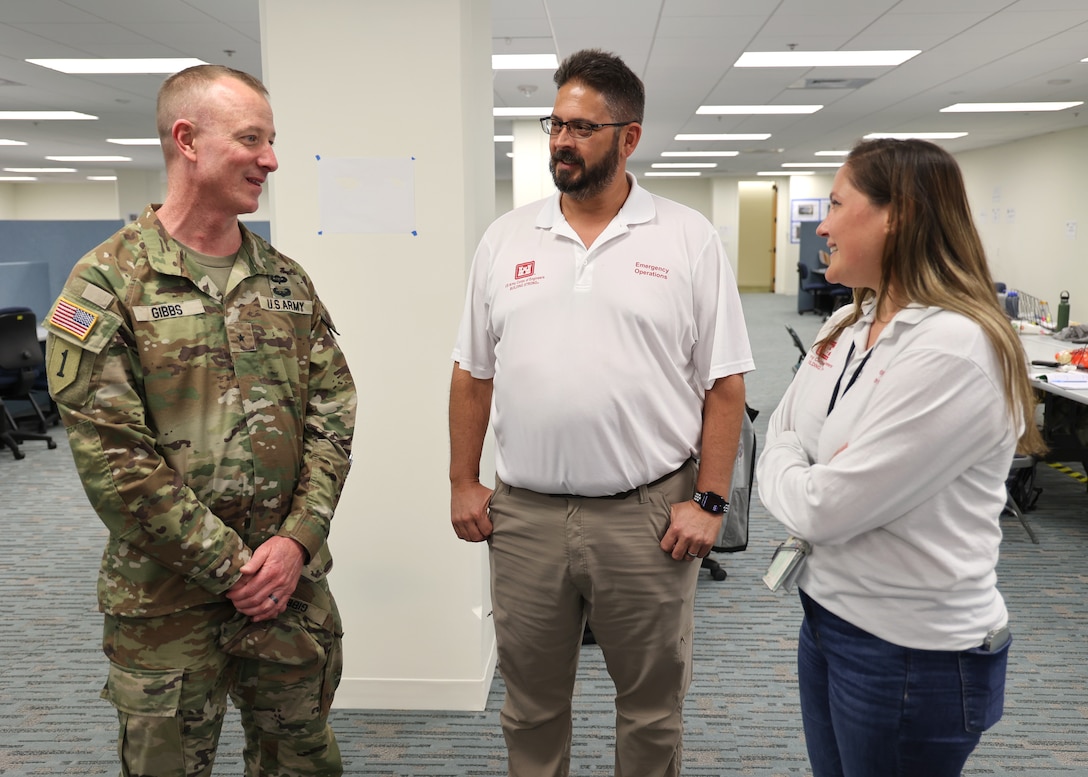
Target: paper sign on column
x,y
365,195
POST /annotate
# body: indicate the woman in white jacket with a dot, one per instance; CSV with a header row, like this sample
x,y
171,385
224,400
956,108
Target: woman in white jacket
x,y
888,455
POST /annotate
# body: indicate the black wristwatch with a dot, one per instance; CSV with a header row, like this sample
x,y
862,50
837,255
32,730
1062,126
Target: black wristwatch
x,y
711,502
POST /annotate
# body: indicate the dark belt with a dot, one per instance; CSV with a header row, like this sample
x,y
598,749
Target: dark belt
x,y
633,491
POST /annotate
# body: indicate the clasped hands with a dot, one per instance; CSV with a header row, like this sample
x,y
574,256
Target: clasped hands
x,y
268,579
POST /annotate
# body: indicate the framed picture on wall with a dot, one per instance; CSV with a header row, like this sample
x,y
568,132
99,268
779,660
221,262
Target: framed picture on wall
x,y
805,210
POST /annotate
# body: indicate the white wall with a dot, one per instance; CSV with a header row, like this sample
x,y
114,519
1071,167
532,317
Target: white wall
x,y
83,201
1031,209
796,187
414,598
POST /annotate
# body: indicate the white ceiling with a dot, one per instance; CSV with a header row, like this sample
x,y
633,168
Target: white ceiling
x,y
972,51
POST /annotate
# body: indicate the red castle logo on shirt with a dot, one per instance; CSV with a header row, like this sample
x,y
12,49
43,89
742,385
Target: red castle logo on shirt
x,y
524,277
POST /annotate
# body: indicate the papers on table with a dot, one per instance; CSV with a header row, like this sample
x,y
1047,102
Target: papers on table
x,y
1069,380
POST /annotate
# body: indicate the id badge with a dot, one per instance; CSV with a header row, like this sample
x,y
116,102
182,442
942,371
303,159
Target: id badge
x,y
786,564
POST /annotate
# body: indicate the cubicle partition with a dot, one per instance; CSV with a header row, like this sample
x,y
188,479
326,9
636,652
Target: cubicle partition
x,y
37,256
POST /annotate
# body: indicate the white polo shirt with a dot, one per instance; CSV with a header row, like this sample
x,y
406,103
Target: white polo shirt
x,y
899,488
600,357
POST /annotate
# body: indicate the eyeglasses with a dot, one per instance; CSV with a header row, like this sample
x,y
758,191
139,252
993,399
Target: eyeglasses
x,y
576,128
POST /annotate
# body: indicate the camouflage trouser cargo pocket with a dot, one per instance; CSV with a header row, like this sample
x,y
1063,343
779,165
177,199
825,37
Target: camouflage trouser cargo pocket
x,y
147,703
291,639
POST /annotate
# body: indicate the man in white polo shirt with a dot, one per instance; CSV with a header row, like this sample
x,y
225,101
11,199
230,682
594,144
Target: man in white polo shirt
x,y
604,326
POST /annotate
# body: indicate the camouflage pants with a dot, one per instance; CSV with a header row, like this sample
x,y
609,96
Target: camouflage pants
x,y
170,677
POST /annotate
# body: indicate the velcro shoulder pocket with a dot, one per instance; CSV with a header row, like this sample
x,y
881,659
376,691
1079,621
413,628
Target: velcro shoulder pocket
x,y
80,328
148,692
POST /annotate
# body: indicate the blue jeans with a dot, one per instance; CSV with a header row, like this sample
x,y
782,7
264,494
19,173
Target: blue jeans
x,y
873,708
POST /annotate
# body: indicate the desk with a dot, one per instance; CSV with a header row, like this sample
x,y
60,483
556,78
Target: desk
x,y
1065,410
1044,348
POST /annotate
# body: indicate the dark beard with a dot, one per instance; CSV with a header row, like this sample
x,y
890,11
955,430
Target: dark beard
x,y
592,180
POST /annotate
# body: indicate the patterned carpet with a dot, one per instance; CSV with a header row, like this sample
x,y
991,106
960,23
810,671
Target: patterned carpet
x,y
741,716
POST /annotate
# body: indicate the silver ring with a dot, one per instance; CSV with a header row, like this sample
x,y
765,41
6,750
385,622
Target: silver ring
x,y
273,598
693,555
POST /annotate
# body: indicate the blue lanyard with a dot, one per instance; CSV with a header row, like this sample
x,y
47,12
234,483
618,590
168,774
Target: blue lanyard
x,y
835,393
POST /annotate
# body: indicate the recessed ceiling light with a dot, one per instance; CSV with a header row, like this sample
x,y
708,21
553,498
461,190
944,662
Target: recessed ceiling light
x,y
812,164
700,153
756,110
832,153
825,58
39,170
524,62
5,142
504,138
917,135
675,174
101,177
682,165
44,116
743,136
522,113
784,173
134,141
1008,107
17,178
89,159
115,66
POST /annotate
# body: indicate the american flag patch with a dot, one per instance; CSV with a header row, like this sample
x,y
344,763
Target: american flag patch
x,y
72,318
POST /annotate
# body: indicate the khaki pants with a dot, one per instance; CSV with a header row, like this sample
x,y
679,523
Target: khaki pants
x,y
169,680
557,561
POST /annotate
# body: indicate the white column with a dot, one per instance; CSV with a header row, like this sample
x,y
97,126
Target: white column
x,y
137,188
532,179
394,80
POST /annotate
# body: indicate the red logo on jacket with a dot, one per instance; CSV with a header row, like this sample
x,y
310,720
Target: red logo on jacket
x,y
524,270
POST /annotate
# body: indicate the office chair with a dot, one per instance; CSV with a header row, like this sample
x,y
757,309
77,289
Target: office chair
x,y
21,360
1020,491
809,283
826,297
800,347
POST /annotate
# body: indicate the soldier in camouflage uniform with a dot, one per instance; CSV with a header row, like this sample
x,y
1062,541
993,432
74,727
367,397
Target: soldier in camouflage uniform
x,y
210,414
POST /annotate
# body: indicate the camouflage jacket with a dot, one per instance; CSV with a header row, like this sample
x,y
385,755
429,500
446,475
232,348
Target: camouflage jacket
x,y
201,423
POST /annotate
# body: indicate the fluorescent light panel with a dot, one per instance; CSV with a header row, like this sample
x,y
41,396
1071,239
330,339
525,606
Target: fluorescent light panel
x,y
755,110
45,116
5,142
917,135
704,136
17,178
504,138
700,153
831,153
1008,107
812,164
89,158
784,173
675,174
118,66
134,141
683,165
825,58
524,62
521,113
101,177
39,170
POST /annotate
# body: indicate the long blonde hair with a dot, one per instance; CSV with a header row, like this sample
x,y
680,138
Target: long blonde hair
x,y
933,255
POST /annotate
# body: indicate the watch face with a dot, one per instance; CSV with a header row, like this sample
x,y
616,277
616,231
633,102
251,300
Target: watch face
x,y
711,502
